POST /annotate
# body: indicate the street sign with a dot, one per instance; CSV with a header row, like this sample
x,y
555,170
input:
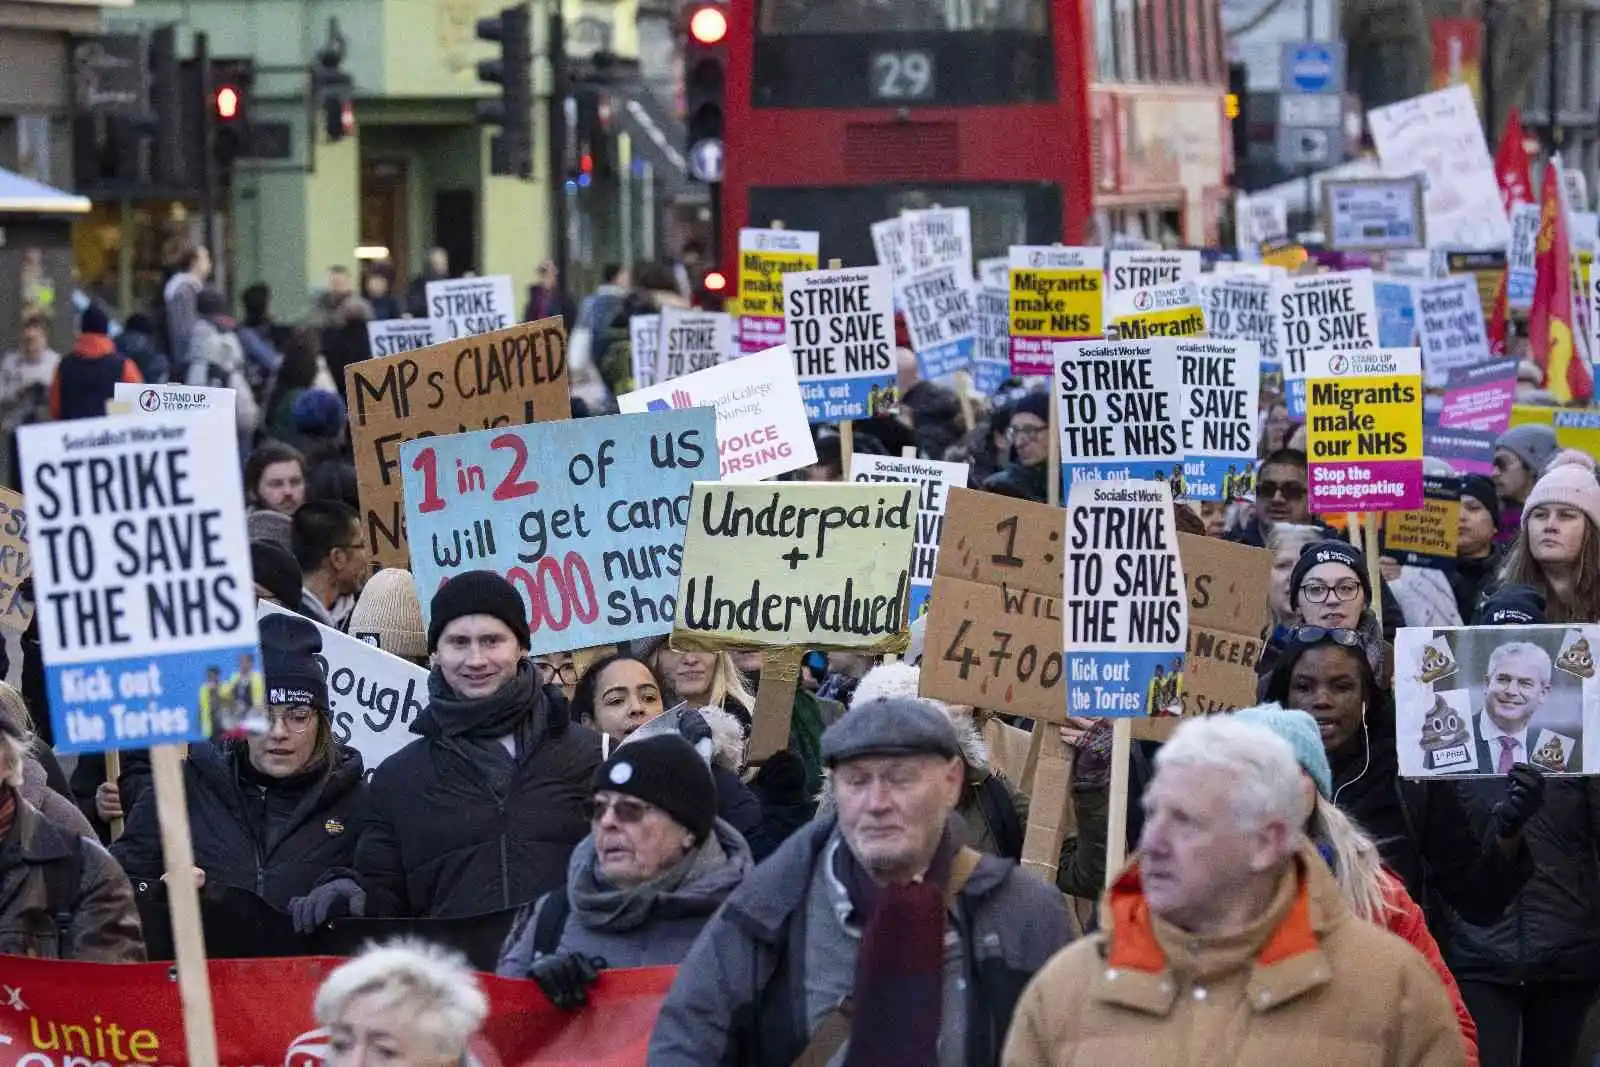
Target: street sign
x,y
1314,66
1303,109
705,160
1311,104
110,75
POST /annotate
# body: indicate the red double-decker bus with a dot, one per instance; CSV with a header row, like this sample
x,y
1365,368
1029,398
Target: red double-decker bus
x,y
844,112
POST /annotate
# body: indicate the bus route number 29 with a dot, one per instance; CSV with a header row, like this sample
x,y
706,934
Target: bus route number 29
x,y
903,75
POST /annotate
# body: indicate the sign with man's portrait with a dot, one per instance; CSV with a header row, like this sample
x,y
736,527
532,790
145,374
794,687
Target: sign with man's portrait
x,y
1478,700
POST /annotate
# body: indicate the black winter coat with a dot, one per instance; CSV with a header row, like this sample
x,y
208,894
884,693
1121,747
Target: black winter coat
x,y
444,843
1552,930
275,842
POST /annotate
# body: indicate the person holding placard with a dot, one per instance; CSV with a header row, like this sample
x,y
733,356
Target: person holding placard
x,y
1024,476
1557,548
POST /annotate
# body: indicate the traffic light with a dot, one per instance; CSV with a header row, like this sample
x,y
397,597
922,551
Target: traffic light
x,y
334,88
705,79
511,150
232,84
1239,123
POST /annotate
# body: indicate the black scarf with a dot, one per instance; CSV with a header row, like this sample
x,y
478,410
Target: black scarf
x,y
496,715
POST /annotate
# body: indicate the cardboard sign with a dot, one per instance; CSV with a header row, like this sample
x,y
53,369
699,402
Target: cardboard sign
x,y
1119,407
1130,271
390,337
937,236
1239,308
934,479
508,378
1221,386
1057,294
1429,536
373,697
994,639
463,307
585,517
1450,325
840,325
142,576
761,421
1318,313
765,256
991,352
172,399
1126,606
940,318
1459,691
1364,436
16,563
691,341
644,340
797,565
1480,396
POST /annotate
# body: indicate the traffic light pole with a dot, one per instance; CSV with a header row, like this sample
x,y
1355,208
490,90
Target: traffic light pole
x,y
560,86
208,131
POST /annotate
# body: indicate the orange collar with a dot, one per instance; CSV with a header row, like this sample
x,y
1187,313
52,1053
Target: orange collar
x,y
1134,945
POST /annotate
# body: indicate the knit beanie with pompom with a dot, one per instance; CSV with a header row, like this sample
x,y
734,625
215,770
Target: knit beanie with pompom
x,y
1569,478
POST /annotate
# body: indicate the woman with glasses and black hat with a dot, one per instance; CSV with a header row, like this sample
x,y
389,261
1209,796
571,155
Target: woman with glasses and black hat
x,y
271,813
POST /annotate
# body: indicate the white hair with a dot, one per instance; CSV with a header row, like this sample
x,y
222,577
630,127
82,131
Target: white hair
x,y
435,987
1291,535
1519,648
1259,767
16,737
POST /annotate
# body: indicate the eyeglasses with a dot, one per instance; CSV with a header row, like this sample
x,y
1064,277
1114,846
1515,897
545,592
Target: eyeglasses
x,y
1343,592
1316,635
566,673
1024,433
627,810
295,720
1290,491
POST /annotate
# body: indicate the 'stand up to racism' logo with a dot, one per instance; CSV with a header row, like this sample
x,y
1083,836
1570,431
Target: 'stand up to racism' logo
x,y
1338,364
149,400
1142,300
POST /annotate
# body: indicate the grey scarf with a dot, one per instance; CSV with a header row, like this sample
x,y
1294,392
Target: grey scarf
x,y
599,905
495,715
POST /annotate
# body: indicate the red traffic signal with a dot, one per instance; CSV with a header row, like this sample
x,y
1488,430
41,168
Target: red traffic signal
x,y
714,281
708,25
227,103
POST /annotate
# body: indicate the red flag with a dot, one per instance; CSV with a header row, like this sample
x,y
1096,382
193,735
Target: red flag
x,y
1567,374
1512,167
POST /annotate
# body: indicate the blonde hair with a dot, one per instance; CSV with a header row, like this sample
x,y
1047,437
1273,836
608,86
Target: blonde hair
x,y
1356,862
433,985
727,681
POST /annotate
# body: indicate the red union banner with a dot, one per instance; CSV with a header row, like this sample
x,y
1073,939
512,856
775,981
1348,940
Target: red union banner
x,y
98,1015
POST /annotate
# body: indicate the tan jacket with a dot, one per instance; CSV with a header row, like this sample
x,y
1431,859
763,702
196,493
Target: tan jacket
x,y
1308,983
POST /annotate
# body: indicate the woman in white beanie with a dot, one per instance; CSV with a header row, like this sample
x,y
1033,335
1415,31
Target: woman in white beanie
x,y
1557,551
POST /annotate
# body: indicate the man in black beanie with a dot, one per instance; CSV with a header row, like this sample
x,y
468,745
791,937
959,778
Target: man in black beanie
x,y
1478,558
1028,432
480,814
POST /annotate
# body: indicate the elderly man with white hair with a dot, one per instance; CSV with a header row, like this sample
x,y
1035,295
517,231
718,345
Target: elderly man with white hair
x,y
1227,941
404,1004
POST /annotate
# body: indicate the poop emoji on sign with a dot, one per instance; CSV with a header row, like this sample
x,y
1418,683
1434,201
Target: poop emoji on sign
x,y
1577,659
1437,662
1551,755
1446,741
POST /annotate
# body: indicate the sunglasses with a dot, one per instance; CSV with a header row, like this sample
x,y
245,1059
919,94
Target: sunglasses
x,y
627,810
1290,491
1316,635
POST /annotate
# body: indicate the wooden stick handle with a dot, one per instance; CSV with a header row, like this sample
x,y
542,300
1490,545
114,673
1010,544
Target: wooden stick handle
x,y
183,901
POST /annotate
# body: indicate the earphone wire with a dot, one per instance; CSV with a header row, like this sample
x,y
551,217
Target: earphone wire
x,y
1366,742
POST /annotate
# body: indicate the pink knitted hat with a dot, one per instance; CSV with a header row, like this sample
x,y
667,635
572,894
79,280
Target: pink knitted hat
x,y
1569,478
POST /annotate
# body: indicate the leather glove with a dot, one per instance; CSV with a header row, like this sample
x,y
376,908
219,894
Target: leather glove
x,y
332,900
1524,797
566,977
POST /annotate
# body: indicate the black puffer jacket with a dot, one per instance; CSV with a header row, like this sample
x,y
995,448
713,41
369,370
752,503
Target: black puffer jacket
x,y
273,838
1552,930
444,842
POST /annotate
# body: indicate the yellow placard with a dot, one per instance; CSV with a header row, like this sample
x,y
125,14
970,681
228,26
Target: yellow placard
x,y
1062,305
820,565
1577,429
1170,322
761,279
1291,257
1434,531
1356,420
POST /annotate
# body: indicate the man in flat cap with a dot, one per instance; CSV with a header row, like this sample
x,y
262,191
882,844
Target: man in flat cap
x,y
834,950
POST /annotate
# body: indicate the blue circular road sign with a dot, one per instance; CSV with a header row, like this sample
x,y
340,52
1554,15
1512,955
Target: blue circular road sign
x,y
1311,68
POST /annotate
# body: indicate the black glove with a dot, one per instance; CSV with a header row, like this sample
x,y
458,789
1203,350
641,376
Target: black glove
x,y
332,900
566,977
1524,797
781,777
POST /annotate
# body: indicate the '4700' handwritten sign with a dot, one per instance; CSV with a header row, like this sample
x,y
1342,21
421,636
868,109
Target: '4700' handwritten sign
x,y
995,631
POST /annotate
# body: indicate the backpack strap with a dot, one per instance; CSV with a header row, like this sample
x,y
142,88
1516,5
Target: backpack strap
x,y
551,921
1000,812
61,880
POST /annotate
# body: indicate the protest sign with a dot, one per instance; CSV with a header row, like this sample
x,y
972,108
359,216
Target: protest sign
x,y
807,565
390,337
690,341
142,577
934,480
1170,311
585,517
994,639
937,236
765,256
1520,252
644,340
373,697
1238,307
1467,451
1318,312
508,378
940,317
1487,267
1262,219
1127,272
1574,429
170,399
761,421
1440,135
462,307
1397,312
1364,430
1479,397
1119,405
1057,294
991,351
1126,603
16,563
1460,691
840,326
1221,385
1429,536
1450,325
1374,214
892,246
